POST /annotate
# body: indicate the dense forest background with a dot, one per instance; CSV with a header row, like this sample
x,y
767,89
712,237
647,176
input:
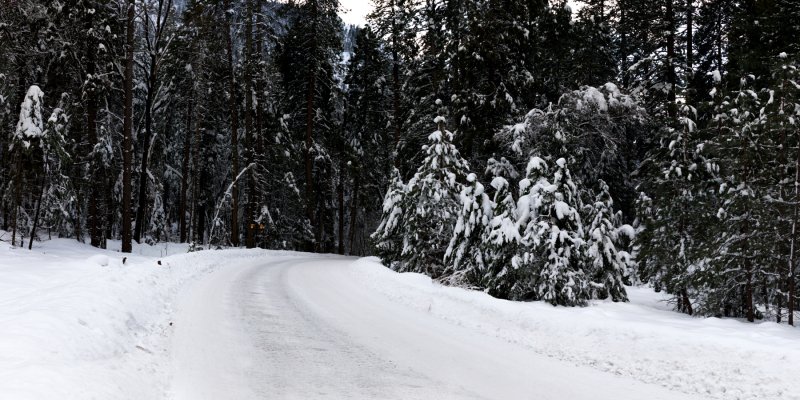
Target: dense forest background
x,y
535,149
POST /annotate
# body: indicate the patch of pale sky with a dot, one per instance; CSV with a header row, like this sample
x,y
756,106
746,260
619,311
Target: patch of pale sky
x,y
355,11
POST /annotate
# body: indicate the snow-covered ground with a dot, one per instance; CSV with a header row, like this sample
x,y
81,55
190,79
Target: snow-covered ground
x,y
77,324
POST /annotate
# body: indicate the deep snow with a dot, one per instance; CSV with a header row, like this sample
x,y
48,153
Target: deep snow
x,y
77,324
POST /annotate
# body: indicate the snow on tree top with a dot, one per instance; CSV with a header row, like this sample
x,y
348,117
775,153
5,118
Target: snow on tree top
x,y
536,163
561,162
612,89
593,96
31,124
439,119
471,177
499,182
715,74
435,136
783,55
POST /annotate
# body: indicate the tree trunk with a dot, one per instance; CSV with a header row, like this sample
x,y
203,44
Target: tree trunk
x,y
340,197
197,172
354,212
250,211
187,151
793,252
94,217
310,100
395,81
234,131
36,215
17,194
690,35
670,64
127,133
143,176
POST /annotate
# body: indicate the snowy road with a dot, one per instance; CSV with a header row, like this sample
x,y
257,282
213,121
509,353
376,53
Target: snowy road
x,y
298,327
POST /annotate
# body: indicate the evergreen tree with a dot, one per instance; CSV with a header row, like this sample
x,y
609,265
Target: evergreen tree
x,y
741,247
368,112
465,258
552,240
501,242
388,238
675,211
605,253
430,205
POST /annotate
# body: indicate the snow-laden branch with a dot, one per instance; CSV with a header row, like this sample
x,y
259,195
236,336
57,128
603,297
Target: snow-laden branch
x,y
226,196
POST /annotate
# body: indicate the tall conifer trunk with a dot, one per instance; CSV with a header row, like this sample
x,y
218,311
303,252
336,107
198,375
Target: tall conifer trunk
x,y
185,172
234,130
127,132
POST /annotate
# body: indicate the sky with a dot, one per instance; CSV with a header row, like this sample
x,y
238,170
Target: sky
x,y
355,11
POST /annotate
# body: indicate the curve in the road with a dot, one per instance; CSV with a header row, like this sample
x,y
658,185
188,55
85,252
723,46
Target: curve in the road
x,y
300,328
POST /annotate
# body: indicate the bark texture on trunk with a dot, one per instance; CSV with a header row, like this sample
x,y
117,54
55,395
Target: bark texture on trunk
x,y
234,132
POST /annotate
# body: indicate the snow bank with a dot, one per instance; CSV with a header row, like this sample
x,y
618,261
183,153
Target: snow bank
x,y
75,323
715,358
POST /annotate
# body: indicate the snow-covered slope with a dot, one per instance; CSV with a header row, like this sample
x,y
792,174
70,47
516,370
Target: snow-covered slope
x,y
75,323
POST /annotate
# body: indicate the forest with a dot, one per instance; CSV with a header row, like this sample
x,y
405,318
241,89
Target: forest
x,y
544,150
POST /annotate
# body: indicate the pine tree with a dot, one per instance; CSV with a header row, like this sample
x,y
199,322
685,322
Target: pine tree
x,y
465,258
595,128
675,211
393,22
388,238
430,205
609,263
367,112
501,242
552,240
25,142
783,117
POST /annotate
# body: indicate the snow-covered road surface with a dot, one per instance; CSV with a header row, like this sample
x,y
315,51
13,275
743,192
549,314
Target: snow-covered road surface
x,y
299,327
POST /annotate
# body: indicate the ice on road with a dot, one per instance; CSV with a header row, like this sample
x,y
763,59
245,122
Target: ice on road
x,y
298,327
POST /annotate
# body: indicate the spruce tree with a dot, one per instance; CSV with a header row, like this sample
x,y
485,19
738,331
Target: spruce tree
x,y
501,242
465,258
388,238
551,253
431,205
608,262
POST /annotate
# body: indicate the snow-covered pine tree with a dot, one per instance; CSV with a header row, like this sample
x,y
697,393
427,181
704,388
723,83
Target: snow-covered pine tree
x,y
607,261
676,213
368,142
551,252
465,258
783,119
30,125
595,127
489,69
393,22
26,140
431,204
501,241
388,238
742,247
58,196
